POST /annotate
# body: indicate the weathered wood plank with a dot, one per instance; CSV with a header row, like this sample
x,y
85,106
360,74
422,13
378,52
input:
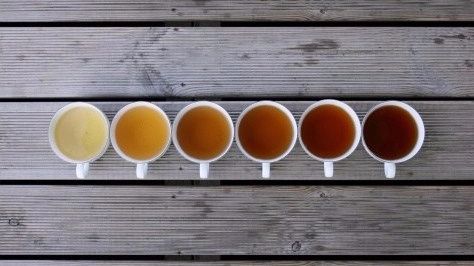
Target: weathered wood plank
x,y
236,62
242,220
241,10
446,153
230,263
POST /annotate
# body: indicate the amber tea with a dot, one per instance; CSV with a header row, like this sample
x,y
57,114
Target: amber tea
x,y
265,132
204,132
142,133
327,131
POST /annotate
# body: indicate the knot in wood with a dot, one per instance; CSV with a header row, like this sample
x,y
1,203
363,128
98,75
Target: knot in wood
x,y
14,222
296,246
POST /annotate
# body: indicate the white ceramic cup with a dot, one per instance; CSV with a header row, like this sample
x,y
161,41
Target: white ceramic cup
x,y
82,167
266,163
142,165
203,164
389,165
329,162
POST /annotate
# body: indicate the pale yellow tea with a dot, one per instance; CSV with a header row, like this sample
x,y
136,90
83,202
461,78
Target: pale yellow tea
x,y
81,133
142,133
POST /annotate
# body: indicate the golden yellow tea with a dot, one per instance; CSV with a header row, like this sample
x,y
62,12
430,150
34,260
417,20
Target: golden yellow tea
x,y
265,132
81,133
142,133
203,133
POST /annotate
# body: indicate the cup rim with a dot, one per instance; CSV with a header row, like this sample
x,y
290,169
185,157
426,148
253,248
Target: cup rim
x,y
186,109
119,115
349,111
419,124
52,126
281,108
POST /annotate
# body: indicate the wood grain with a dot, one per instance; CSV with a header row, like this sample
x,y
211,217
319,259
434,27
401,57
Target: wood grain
x,y
446,153
240,10
230,263
236,62
236,220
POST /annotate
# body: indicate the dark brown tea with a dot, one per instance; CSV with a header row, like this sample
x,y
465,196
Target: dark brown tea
x,y
327,131
265,132
390,132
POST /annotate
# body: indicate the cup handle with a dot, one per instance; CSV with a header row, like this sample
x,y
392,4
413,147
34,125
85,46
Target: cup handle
x,y
328,169
142,170
266,170
390,170
82,169
204,170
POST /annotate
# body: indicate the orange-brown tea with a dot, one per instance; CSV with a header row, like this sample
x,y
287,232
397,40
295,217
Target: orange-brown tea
x,y
265,132
390,132
328,131
204,133
142,133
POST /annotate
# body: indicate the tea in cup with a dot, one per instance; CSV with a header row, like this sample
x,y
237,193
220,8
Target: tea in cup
x,y
266,132
140,133
79,133
329,131
393,132
203,133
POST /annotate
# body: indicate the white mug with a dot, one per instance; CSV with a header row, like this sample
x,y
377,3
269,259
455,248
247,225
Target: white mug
x,y
389,165
82,167
329,162
203,164
266,163
142,165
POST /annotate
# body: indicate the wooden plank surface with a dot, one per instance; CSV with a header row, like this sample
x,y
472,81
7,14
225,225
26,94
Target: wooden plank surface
x,y
240,10
231,263
236,220
446,152
236,62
